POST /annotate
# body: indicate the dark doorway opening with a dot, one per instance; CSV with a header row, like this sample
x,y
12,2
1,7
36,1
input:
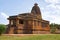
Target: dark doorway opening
x,y
20,21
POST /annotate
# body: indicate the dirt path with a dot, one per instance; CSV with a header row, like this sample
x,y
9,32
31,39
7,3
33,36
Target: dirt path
x,y
25,34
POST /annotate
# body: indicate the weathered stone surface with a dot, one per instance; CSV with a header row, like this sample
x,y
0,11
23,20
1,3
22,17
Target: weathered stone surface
x,y
28,23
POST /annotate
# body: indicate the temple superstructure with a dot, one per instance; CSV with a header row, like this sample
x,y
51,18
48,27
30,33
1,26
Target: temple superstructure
x,y
28,23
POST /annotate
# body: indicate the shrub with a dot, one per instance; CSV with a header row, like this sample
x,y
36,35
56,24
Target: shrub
x,y
2,28
53,28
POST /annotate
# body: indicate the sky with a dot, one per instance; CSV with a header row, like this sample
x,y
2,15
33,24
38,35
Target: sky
x,y
50,9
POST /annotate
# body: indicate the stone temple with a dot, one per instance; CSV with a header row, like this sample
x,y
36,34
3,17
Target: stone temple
x,y
28,23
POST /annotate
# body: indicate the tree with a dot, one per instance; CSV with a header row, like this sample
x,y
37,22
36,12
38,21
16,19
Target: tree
x,y
2,28
58,27
53,27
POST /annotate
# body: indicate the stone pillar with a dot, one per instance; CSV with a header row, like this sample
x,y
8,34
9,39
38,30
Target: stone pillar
x,y
9,21
33,24
17,26
37,24
33,27
48,26
17,22
40,25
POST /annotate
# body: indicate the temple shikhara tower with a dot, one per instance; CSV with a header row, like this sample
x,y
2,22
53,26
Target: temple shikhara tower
x,y
28,23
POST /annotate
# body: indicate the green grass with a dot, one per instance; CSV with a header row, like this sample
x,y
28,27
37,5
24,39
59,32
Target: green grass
x,y
32,37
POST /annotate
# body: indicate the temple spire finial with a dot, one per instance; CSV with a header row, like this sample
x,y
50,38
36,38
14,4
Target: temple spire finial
x,y
35,4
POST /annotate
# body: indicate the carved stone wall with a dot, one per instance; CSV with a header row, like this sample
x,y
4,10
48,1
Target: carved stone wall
x,y
27,23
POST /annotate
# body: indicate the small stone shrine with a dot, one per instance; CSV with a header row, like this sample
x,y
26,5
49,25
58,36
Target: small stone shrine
x,y
28,23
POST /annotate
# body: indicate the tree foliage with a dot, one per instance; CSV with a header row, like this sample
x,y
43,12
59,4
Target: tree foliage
x,y
53,27
2,28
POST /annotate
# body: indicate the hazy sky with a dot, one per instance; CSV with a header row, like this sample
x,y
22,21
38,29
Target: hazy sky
x,y
50,9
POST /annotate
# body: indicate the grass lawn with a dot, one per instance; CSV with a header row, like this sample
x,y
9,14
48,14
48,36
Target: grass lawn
x,y
31,37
